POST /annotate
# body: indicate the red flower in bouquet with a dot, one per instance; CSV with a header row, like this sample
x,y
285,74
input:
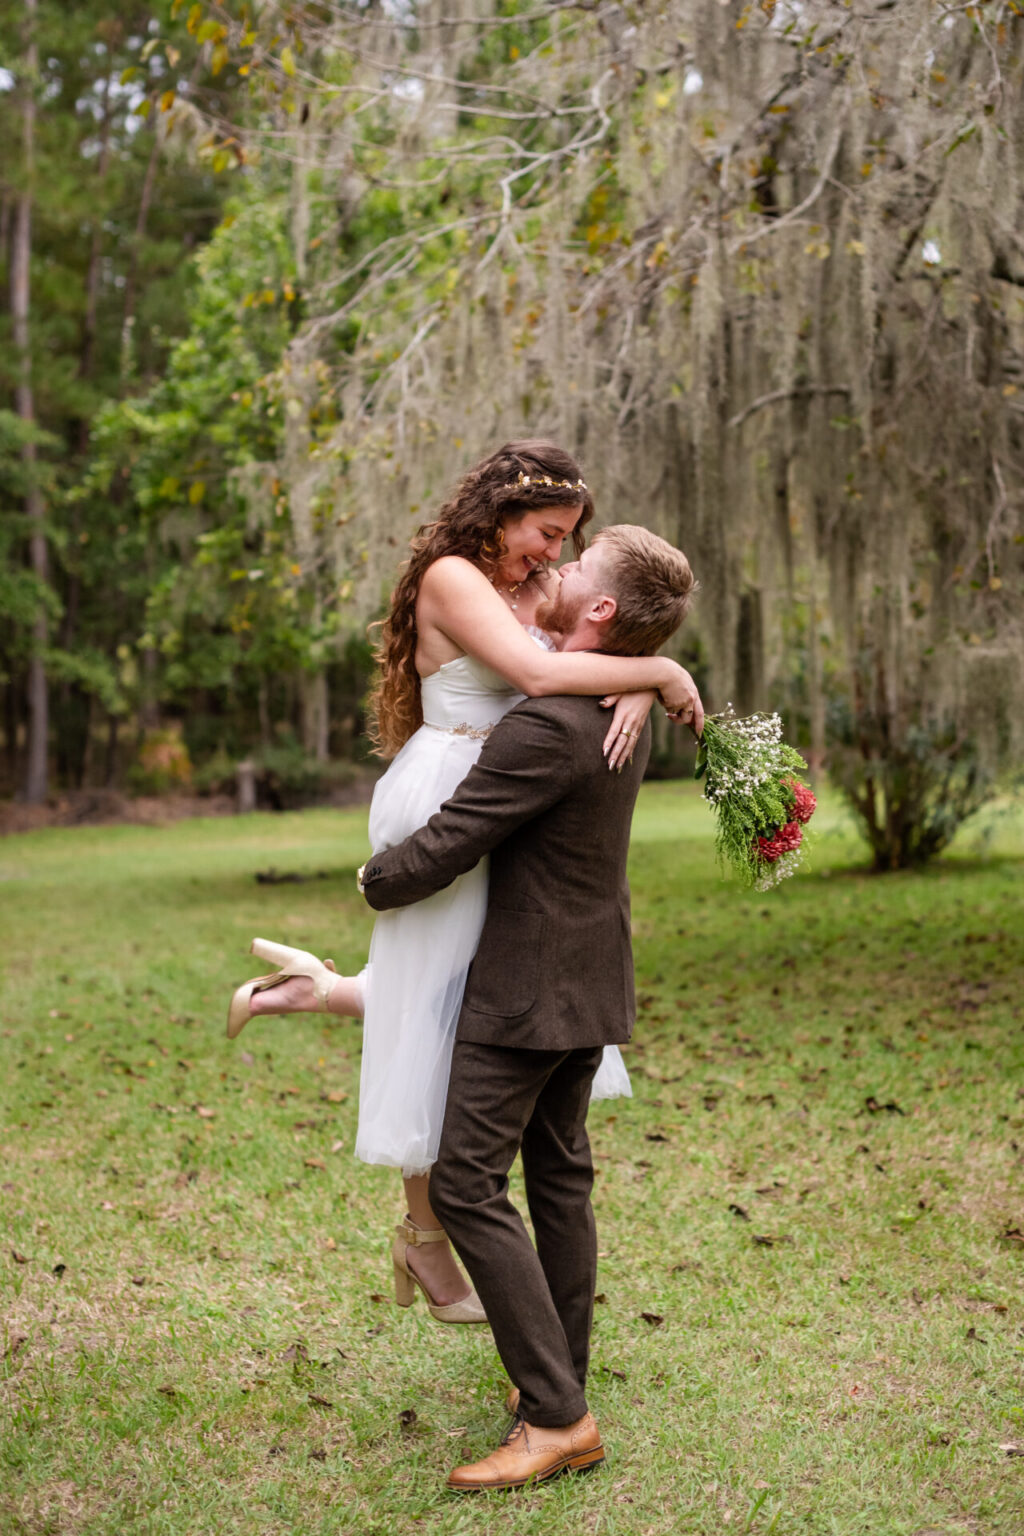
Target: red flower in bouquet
x,y
805,802
785,839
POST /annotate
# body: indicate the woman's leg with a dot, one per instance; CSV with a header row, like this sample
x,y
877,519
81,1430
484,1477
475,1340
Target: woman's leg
x,y
296,995
433,1263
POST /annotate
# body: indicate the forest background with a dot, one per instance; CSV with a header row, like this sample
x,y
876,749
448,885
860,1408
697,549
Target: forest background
x,y
274,273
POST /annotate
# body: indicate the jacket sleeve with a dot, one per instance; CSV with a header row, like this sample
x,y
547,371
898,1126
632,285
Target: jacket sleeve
x,y
526,766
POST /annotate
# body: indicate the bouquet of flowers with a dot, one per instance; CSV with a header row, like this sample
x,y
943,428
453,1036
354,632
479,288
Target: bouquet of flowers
x,y
754,784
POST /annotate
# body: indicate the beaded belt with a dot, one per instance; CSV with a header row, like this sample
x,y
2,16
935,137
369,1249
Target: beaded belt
x,y
475,733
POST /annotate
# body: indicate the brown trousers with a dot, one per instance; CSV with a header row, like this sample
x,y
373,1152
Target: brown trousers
x,y
539,1301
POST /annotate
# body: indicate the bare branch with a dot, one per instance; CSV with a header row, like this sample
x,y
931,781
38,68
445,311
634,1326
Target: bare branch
x,y
798,392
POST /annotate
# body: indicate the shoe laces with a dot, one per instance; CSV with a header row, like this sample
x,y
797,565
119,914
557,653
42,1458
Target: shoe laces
x,y
515,1429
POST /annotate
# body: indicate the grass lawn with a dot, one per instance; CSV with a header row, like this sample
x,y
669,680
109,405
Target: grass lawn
x,y
810,1314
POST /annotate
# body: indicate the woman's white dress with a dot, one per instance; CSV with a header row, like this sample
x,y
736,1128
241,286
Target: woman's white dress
x,y
419,955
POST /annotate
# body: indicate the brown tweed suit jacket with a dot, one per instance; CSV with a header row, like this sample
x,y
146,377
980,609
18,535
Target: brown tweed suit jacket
x,y
554,967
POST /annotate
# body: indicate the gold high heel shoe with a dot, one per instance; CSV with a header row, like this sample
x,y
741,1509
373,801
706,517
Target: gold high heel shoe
x,y
409,1235
292,962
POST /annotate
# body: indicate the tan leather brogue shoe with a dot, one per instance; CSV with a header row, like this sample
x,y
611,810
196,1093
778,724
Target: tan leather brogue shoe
x,y
530,1453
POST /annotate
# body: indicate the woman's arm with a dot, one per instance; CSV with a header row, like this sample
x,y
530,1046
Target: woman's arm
x,y
458,600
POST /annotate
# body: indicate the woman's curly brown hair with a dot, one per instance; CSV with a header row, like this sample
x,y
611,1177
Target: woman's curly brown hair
x,y
469,524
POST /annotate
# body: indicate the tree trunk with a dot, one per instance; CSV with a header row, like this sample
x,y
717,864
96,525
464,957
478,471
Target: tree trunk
x,y
110,756
300,470
315,715
38,695
132,279
87,361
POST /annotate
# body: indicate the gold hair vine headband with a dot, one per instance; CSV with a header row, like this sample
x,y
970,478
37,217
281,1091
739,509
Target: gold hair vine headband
x,y
544,480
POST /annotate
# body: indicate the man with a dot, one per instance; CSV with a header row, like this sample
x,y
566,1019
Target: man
x,y
550,986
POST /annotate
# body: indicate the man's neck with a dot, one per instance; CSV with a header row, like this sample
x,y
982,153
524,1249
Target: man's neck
x,y
585,637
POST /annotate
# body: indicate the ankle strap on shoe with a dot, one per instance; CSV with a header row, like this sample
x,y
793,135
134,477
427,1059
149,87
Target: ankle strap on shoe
x,y
415,1236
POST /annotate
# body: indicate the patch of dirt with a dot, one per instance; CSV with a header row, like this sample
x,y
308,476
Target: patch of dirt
x,y
108,807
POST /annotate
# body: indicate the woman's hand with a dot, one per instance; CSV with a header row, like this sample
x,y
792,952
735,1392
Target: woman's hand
x,y
631,711
680,697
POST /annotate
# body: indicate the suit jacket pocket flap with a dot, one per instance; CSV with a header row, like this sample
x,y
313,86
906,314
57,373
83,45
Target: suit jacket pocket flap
x,y
505,974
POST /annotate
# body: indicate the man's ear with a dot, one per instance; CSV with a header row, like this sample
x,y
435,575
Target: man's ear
x,y
603,608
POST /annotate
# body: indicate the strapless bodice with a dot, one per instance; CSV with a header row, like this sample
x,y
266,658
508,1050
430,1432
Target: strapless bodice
x,y
465,692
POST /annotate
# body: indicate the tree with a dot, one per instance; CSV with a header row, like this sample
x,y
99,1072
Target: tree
x,y
109,217
21,251
762,263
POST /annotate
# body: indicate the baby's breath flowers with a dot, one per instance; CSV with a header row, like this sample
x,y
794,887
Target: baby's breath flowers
x,y
752,783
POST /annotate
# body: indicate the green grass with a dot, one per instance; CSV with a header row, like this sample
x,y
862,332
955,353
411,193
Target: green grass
x,y
197,1330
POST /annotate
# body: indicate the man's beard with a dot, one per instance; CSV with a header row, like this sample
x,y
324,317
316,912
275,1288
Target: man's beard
x,y
560,615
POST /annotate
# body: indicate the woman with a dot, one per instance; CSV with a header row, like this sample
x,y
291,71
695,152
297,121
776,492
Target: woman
x,y
455,655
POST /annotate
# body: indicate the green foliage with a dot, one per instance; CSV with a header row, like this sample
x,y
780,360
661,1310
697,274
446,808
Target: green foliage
x,y
912,789
289,778
117,205
197,458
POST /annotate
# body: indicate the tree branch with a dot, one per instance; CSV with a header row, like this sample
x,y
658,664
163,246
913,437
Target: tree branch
x,y
798,392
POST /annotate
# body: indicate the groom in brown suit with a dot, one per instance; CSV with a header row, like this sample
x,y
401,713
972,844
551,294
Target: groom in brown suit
x,y
551,985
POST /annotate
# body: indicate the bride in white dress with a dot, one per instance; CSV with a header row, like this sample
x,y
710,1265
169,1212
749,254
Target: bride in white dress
x,y
459,649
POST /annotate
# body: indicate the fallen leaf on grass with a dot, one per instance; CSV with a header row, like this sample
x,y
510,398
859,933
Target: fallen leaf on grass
x,y
610,1371
168,1391
313,1162
336,1146
737,1210
654,1318
15,1344
1012,1238
873,1107
138,1279
600,1298
407,1418
655,1136
318,1455
771,1240
976,1337
1012,1448
336,1096
19,1258
377,1296
320,1402
330,1245
204,1113
295,1351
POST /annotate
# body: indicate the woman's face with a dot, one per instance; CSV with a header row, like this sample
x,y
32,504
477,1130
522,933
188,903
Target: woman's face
x,y
535,539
